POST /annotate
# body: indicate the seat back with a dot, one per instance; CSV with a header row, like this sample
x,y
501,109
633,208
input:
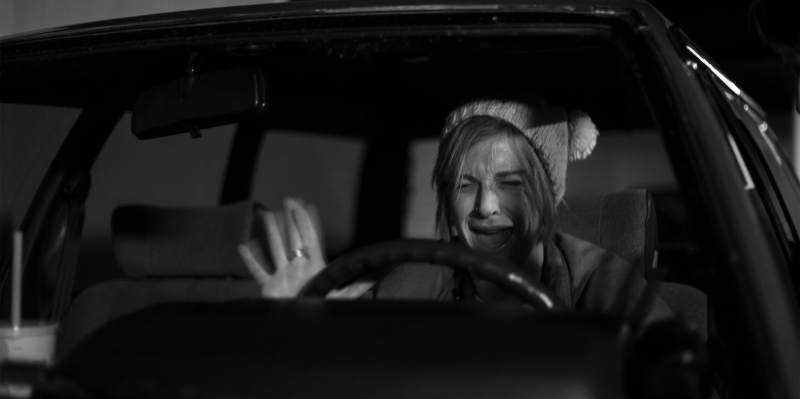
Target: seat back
x,y
625,223
168,254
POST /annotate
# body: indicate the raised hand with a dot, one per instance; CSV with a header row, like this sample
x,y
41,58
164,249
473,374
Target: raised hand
x,y
295,248
296,256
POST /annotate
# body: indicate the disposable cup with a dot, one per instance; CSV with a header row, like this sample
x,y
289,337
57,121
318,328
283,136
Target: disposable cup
x,y
32,342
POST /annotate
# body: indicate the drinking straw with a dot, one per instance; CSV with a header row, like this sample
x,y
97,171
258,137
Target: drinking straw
x,y
16,281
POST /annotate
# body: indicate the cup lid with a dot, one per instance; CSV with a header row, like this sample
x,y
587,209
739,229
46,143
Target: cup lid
x,y
28,328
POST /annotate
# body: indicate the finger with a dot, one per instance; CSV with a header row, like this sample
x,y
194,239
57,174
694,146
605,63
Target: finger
x,y
295,242
280,222
255,268
261,246
352,291
276,248
317,222
309,237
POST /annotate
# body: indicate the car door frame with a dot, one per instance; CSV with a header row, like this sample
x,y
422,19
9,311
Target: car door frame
x,y
749,254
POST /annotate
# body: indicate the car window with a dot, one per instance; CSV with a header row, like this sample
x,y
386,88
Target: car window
x,y
321,169
316,145
420,217
168,171
355,103
31,136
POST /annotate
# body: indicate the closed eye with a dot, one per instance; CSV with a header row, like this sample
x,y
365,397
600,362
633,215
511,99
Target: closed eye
x,y
511,183
511,179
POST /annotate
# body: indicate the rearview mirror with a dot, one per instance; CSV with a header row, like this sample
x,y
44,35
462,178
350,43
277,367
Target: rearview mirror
x,y
195,102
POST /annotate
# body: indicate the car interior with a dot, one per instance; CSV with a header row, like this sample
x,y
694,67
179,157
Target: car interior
x,y
350,123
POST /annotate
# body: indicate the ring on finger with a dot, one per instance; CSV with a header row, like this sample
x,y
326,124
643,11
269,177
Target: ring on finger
x,y
298,253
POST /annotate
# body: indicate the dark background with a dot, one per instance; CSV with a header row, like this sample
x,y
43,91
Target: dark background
x,y
726,31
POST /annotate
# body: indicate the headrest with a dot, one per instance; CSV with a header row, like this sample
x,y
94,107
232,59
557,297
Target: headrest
x,y
624,223
182,241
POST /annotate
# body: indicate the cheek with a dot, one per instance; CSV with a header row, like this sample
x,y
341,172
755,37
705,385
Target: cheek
x,y
523,214
512,204
463,204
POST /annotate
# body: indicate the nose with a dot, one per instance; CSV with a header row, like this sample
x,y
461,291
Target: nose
x,y
488,203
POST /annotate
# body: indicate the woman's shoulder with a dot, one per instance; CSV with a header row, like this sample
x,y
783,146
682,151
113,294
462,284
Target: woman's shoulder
x,y
599,278
583,257
589,265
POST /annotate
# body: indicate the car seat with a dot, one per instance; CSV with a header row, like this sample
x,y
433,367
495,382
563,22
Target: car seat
x,y
625,223
189,254
168,254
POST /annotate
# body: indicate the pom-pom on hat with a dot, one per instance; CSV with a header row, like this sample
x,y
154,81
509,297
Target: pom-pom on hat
x,y
558,135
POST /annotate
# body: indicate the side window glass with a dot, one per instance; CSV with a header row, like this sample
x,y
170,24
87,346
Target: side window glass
x,y
322,169
168,171
420,217
31,137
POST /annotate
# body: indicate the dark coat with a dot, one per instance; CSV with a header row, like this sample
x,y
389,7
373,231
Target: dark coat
x,y
585,276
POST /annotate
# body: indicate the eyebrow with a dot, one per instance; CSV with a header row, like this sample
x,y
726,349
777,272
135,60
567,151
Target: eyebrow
x,y
497,175
510,173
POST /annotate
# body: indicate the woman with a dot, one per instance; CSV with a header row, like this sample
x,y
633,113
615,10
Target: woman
x,y
499,174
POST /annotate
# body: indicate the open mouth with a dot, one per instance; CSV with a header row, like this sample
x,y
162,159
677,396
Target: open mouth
x,y
491,238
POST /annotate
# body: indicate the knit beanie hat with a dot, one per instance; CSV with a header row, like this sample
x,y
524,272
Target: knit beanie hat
x,y
558,135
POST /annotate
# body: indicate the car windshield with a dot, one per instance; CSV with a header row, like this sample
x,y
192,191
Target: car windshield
x,y
332,100
350,118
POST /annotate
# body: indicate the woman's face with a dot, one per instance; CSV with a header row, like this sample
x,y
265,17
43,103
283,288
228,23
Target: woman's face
x,y
490,203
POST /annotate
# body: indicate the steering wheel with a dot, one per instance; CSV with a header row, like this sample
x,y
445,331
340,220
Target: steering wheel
x,y
459,257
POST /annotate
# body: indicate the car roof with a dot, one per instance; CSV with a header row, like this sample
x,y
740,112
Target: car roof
x,y
311,8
